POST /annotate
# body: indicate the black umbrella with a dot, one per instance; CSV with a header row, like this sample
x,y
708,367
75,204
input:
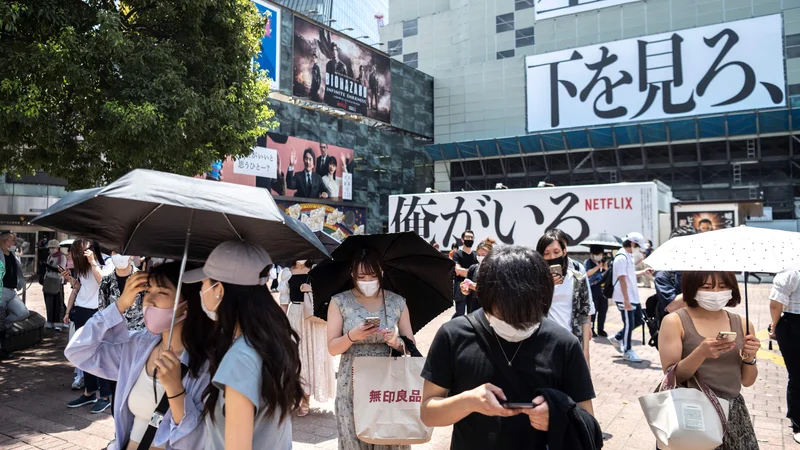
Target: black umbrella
x,y
328,241
157,214
412,269
605,240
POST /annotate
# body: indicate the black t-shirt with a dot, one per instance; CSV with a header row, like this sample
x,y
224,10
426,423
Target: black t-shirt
x,y
551,358
121,281
10,278
465,260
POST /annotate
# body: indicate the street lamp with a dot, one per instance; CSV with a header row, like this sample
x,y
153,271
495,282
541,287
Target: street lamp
x,y
346,29
362,37
330,21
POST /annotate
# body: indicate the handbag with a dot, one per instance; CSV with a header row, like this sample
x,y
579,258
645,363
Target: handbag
x,y
685,418
52,284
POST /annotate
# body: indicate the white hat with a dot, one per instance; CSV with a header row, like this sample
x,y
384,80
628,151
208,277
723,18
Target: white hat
x,y
53,244
234,262
636,238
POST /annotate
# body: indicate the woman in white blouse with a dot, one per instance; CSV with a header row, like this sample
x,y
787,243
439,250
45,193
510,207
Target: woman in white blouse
x,y
785,310
331,181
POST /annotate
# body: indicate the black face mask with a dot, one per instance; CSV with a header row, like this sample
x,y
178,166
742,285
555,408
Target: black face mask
x,y
469,243
556,261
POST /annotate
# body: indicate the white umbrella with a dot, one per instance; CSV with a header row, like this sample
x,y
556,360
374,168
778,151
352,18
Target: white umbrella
x,y
740,249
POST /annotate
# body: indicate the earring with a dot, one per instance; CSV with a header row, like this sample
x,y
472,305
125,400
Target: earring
x,y
218,297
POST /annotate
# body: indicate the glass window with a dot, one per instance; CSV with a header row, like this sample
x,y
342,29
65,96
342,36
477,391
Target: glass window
x,y
395,47
522,4
524,37
411,59
410,28
504,22
793,46
505,54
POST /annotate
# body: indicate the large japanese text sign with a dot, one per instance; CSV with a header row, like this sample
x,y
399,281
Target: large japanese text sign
x,y
521,216
546,9
715,69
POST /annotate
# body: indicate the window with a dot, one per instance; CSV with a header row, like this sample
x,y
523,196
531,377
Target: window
x,y
504,22
411,59
793,46
522,4
524,37
395,47
410,28
505,54
794,89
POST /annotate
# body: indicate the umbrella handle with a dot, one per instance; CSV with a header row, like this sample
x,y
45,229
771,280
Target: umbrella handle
x,y
746,306
180,278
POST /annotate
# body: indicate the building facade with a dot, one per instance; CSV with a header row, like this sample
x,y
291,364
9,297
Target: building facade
x,y
357,18
568,93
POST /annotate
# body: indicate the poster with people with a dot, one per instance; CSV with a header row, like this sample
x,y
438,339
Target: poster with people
x,y
705,220
340,72
294,167
269,57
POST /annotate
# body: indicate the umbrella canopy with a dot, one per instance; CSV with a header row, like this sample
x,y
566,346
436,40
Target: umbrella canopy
x,y
605,240
66,243
149,213
328,241
412,268
739,249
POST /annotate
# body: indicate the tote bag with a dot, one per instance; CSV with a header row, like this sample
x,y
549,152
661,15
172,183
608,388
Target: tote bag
x,y
387,393
685,418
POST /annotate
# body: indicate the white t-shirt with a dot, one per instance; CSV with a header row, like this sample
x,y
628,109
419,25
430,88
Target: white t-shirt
x,y
89,293
625,266
561,308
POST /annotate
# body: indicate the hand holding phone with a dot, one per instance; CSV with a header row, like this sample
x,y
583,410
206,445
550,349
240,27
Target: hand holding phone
x,y
729,336
374,322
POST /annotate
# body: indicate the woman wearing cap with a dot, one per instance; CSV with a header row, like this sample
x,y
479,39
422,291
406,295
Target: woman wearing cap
x,y
317,364
148,369
55,302
255,362
349,335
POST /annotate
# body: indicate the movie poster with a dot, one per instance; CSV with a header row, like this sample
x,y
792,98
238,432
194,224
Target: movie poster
x,y
340,72
294,167
336,221
706,221
269,57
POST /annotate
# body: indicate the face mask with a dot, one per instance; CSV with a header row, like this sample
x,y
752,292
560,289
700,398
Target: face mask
x,y
121,261
480,259
211,313
508,332
713,301
53,251
301,262
369,288
13,248
468,243
556,261
158,320
597,258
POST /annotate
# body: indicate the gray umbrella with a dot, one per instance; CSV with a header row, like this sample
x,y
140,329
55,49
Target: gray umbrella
x,y
158,214
605,240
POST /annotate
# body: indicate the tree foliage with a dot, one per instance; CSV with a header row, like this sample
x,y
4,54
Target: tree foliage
x,y
90,89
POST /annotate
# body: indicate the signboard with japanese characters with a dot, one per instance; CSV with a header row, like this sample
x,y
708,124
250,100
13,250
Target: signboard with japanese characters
x,y
261,163
720,68
521,216
347,186
546,9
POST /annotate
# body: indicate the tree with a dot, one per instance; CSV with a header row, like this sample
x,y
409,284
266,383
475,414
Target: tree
x,y
90,89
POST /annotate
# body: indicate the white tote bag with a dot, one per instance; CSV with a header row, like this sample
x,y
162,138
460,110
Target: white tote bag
x,y
387,393
685,418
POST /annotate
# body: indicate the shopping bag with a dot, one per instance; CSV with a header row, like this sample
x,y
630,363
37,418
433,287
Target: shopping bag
x,y
387,393
685,418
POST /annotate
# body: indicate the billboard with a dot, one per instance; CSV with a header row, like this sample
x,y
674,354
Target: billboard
x,y
338,221
706,216
340,72
294,167
706,70
521,216
270,55
547,9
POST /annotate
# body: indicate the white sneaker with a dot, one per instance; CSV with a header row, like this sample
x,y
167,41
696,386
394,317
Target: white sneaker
x,y
48,325
631,356
617,344
77,383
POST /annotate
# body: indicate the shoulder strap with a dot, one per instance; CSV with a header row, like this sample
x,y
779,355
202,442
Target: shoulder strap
x,y
158,416
493,351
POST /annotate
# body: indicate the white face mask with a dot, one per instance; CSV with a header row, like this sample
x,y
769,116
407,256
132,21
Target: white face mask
x,y
480,259
369,288
121,261
713,301
597,258
301,262
508,332
211,313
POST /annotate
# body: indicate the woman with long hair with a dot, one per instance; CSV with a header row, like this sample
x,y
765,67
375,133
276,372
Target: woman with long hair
x,y
330,180
317,364
83,303
253,351
350,335
707,340
147,367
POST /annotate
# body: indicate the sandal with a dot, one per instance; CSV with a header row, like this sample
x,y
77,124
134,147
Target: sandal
x,y
303,410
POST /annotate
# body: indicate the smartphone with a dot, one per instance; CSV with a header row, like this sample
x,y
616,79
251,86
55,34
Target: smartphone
x,y
518,405
60,269
556,269
373,321
729,336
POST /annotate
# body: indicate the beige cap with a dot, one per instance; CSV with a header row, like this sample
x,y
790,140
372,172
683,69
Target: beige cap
x,y
233,262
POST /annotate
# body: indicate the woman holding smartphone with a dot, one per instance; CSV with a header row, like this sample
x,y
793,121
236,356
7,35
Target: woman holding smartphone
x,y
352,332
705,339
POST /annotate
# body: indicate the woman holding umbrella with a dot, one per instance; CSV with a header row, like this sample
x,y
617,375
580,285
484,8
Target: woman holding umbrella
x,y
363,321
147,366
705,339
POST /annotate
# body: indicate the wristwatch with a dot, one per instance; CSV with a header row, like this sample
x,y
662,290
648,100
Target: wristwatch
x,y
753,363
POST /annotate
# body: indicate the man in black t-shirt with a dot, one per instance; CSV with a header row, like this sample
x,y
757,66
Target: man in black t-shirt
x,y
12,309
464,259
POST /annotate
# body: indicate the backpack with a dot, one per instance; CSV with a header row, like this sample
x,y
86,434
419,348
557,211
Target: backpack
x,y
608,281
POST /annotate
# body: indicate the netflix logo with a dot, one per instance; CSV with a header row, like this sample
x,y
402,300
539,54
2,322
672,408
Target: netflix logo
x,y
598,204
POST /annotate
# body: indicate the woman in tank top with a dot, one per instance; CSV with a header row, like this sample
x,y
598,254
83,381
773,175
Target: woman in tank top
x,y
689,338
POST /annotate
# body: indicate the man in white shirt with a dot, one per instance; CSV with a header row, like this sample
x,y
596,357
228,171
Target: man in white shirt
x,y
626,293
785,310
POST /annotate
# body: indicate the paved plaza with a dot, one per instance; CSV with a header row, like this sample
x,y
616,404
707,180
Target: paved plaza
x,y
35,388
